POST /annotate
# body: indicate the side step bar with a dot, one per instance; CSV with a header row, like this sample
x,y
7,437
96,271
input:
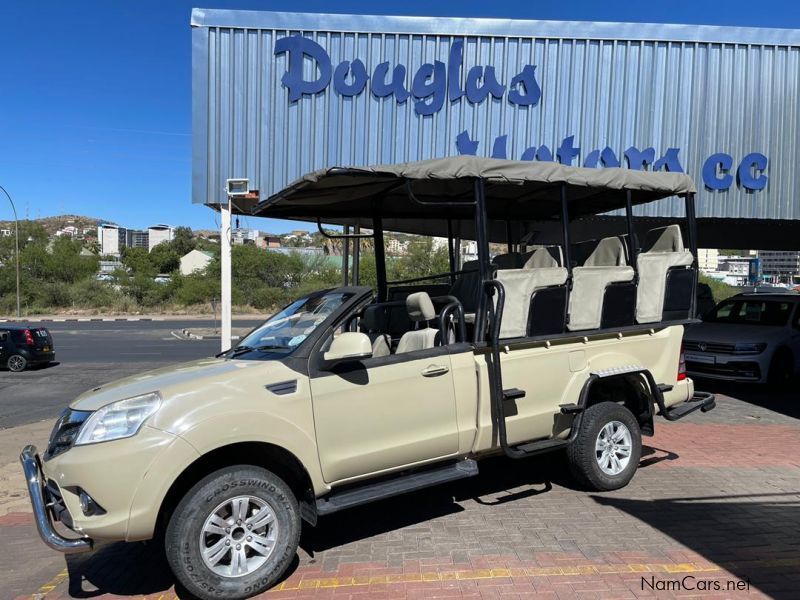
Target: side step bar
x,y
393,487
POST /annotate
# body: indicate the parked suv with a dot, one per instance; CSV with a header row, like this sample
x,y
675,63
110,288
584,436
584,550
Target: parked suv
x,y
23,346
352,395
751,337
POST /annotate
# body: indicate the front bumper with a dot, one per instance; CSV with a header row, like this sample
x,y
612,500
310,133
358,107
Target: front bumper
x,y
31,466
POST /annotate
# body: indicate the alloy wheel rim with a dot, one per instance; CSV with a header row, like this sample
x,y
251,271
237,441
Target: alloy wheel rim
x,y
16,363
613,448
239,536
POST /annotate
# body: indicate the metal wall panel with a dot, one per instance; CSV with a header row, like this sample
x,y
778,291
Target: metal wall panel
x,y
700,89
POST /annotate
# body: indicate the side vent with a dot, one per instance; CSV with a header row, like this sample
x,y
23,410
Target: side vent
x,y
283,387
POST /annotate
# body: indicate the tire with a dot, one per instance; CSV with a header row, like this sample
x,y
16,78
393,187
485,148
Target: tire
x,y
600,420
216,498
17,363
781,369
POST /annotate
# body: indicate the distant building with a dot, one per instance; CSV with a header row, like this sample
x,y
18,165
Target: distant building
x,y
109,266
269,241
739,270
5,233
195,261
68,231
395,247
158,234
780,265
111,238
243,235
137,239
708,259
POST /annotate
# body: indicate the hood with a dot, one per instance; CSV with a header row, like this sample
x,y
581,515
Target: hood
x,y
163,380
727,333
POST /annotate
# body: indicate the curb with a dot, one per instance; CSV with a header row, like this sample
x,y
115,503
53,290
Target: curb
x,y
81,319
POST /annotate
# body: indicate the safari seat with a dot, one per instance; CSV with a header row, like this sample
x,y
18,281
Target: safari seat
x,y
374,323
663,251
467,289
605,266
420,310
541,271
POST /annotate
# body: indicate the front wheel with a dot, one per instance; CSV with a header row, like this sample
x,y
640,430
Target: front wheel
x,y
234,533
605,454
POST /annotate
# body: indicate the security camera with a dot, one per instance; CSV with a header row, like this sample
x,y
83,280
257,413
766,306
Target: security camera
x,y
238,187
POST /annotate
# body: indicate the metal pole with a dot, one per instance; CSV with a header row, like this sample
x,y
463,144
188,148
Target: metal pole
x,y
345,256
451,251
380,257
16,242
356,254
482,240
225,268
631,246
565,229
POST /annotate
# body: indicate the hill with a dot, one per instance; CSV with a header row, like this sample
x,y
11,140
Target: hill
x,y
53,224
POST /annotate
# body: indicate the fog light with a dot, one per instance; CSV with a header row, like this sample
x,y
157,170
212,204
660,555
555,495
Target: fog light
x,y
89,507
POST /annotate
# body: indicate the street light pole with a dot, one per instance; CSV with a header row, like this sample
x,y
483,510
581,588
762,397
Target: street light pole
x,y
16,242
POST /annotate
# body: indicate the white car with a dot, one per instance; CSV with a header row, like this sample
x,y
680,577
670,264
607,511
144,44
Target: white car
x,y
749,337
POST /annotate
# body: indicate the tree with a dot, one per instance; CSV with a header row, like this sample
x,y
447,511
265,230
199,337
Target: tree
x,y
138,261
183,241
164,258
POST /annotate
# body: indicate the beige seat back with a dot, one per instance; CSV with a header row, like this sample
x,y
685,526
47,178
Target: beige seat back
x,y
519,286
663,250
420,310
544,257
605,265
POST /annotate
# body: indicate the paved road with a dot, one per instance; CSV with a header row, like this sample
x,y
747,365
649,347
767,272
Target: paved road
x,y
92,353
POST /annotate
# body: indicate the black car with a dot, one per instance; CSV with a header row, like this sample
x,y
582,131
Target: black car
x,y
22,346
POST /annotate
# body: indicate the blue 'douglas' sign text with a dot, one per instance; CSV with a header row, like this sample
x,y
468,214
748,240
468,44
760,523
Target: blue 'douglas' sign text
x,y
433,83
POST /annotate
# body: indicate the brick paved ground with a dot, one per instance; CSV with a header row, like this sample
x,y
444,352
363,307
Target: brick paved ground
x,y
717,500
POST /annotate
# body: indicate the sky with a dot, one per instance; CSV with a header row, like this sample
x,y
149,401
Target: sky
x,y
95,96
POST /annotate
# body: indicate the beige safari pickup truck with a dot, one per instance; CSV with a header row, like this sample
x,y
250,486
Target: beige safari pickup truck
x,y
570,341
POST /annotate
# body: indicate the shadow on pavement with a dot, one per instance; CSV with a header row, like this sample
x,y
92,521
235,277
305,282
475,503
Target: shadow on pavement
x,y
753,537
786,401
499,478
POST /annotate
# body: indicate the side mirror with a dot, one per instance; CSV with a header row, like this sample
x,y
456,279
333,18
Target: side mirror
x,y
350,345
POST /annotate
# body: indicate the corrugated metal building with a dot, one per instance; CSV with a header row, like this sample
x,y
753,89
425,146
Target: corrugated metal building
x,y
278,94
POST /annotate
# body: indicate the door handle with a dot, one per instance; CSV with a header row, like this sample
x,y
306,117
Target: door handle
x,y
434,370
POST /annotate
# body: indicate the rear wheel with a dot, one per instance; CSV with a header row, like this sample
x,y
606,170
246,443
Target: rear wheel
x,y
605,454
234,533
17,363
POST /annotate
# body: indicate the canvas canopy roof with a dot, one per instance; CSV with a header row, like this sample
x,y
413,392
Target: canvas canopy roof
x,y
516,191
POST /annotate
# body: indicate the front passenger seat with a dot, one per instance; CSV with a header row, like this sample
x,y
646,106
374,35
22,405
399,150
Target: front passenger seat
x,y
420,310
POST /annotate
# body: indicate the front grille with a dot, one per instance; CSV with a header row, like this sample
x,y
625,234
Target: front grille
x,y
713,347
65,431
737,370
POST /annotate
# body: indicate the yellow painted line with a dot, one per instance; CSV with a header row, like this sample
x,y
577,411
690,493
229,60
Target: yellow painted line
x,y
50,585
499,573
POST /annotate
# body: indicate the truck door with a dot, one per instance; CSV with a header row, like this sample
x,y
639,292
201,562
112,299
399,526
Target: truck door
x,y
384,413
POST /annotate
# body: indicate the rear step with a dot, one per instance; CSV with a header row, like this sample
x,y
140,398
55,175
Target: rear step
x,y
398,485
703,401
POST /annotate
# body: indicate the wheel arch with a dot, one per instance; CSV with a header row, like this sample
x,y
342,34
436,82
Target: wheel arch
x,y
629,389
272,457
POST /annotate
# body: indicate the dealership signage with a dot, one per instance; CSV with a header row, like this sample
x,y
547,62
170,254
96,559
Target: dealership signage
x,y
435,85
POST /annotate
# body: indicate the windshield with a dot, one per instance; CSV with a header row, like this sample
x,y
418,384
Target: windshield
x,y
751,311
286,330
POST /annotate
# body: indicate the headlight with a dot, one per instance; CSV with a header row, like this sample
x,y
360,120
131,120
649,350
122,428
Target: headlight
x,y
743,348
119,419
